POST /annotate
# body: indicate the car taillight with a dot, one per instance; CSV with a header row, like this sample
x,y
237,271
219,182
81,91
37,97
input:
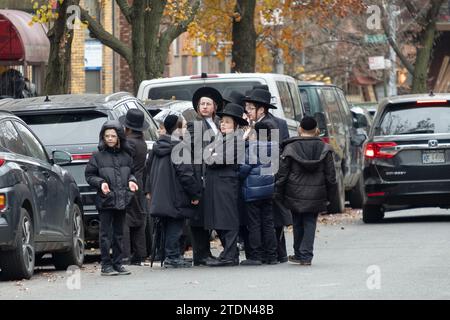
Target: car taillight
x,y
376,194
425,103
81,157
380,150
2,202
2,161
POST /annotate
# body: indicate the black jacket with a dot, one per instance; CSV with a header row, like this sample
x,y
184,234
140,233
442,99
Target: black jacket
x,y
172,186
113,166
138,150
306,179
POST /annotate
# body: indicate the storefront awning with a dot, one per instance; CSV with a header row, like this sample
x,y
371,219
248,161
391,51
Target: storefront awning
x,y
20,42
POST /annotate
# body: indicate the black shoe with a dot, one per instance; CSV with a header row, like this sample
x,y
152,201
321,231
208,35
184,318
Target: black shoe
x,y
250,262
283,259
220,263
122,271
176,263
271,262
109,271
204,262
294,259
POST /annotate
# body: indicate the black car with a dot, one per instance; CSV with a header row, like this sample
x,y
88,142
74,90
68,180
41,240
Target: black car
x,y
40,205
72,123
407,155
327,103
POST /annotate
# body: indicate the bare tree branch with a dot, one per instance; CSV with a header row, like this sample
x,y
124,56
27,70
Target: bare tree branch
x,y
107,38
125,8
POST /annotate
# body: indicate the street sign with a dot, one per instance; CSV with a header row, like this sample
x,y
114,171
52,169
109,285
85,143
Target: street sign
x,y
377,63
375,38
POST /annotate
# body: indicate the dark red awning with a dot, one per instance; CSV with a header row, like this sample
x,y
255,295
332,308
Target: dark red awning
x,y
20,42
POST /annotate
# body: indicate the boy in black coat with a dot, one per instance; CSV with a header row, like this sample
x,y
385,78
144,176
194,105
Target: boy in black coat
x,y
110,171
305,182
173,190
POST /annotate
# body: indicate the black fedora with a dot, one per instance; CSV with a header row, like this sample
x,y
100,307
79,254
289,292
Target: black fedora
x,y
135,120
235,97
261,97
209,93
235,111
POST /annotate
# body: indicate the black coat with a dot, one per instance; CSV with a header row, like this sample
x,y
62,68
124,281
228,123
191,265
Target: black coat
x,y
136,209
268,122
113,166
197,159
172,186
221,194
306,180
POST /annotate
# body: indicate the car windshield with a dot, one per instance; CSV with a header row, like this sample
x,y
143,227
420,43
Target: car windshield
x,y
186,91
67,128
415,120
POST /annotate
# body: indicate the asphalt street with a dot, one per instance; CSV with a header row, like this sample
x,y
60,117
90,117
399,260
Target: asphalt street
x,y
406,256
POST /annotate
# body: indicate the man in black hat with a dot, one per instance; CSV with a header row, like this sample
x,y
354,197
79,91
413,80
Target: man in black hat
x,y
305,183
135,249
207,102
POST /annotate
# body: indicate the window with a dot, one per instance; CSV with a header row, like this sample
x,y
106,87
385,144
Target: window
x,y
286,100
415,120
34,146
345,110
295,100
310,101
69,128
332,109
152,133
10,139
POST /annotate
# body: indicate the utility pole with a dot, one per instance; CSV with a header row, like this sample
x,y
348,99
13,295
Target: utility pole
x,y
393,12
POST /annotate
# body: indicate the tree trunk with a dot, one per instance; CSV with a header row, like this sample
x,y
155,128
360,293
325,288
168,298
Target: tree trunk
x,y
423,59
244,37
58,70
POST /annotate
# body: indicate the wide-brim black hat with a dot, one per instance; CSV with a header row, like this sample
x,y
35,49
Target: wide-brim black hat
x,y
135,120
209,93
235,111
261,97
235,97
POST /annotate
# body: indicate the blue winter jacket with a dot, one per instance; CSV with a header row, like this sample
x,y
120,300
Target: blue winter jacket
x,y
258,170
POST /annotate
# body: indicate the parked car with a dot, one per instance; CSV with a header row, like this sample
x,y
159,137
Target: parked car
x,y
40,205
327,103
184,108
370,107
72,123
282,87
407,155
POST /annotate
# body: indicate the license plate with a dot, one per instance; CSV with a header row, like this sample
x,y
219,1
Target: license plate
x,y
436,156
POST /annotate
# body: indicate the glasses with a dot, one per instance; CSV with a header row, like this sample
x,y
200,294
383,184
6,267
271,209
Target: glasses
x,y
249,109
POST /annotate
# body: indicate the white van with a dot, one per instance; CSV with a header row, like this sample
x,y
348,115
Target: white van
x,y
284,90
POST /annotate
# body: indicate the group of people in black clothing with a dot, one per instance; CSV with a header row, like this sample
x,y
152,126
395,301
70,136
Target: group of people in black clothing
x,y
233,170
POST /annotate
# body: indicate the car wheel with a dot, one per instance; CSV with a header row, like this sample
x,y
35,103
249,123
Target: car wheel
x,y
338,203
75,255
357,194
19,263
372,214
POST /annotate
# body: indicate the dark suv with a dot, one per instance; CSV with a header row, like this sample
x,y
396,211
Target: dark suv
x,y
72,123
327,103
40,205
407,155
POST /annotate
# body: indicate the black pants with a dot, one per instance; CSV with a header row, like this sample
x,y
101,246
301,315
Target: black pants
x,y
281,243
172,234
229,238
134,241
261,231
111,235
200,243
304,234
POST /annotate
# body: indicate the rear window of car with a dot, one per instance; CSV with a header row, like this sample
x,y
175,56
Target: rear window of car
x,y
67,128
310,100
414,120
186,91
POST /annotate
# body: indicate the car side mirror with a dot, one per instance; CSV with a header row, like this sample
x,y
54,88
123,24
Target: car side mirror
x,y
358,140
359,121
61,157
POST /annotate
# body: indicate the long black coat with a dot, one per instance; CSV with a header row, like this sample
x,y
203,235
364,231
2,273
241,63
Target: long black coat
x,y
113,166
136,209
172,186
306,180
197,159
222,190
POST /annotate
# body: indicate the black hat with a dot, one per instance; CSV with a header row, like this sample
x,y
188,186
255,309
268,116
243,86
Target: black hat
x,y
235,111
210,93
260,97
235,97
170,123
135,120
308,123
